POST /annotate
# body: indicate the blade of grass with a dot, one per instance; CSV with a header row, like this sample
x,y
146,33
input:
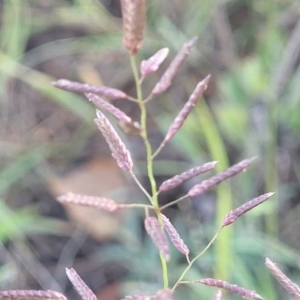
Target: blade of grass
x,y
224,199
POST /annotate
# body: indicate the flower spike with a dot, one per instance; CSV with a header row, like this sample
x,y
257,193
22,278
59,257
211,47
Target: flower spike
x,y
164,83
236,213
117,147
158,236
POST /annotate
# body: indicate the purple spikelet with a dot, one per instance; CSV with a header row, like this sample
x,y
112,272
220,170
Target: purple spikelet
x,y
117,147
158,236
124,120
217,295
233,288
84,200
77,87
178,179
83,290
236,213
181,117
117,113
166,80
31,295
213,181
152,64
174,236
165,294
291,287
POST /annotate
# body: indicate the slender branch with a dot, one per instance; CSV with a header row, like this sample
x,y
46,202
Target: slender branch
x,y
159,149
135,205
173,202
192,261
140,185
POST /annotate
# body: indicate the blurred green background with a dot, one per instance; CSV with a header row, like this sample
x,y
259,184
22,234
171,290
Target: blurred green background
x,y
252,107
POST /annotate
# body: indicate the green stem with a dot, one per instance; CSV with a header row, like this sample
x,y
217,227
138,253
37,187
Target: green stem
x,y
148,147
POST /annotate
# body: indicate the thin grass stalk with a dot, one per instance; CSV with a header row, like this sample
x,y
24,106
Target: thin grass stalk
x,y
270,169
194,259
148,147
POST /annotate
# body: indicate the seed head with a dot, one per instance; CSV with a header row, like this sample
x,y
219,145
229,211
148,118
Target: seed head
x,y
83,88
158,236
84,200
181,117
233,288
134,20
178,179
152,64
218,295
165,294
83,290
117,147
174,236
236,213
291,287
166,80
213,181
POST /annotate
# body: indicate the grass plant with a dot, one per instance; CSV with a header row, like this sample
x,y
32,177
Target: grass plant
x,y
221,124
